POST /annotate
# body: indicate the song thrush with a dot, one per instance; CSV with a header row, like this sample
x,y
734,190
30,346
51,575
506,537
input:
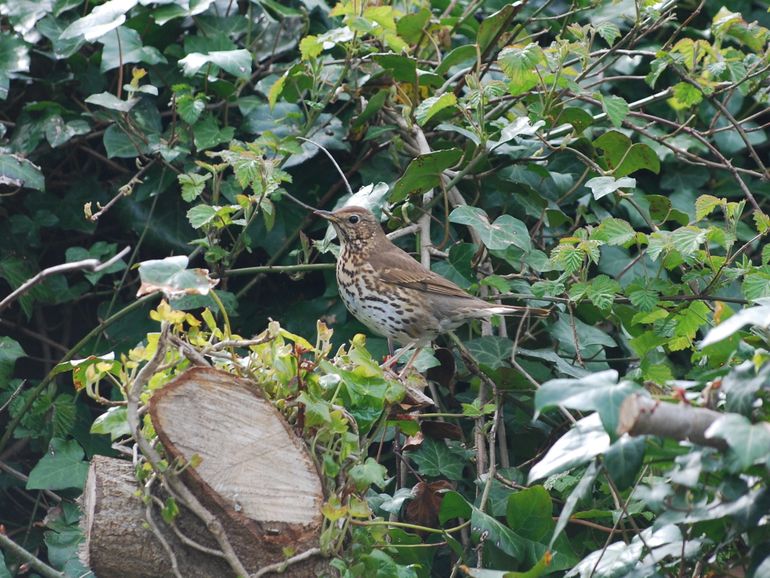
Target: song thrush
x,y
394,295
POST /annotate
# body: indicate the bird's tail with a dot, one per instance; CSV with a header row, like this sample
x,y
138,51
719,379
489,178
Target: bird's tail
x,y
516,311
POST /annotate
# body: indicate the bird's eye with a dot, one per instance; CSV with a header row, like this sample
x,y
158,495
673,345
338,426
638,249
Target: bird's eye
x,y
353,219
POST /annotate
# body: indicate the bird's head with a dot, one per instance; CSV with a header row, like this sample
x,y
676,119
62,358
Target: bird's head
x,y
354,225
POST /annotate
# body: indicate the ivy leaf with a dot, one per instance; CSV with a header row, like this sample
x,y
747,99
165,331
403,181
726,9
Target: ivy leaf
x,y
616,109
17,171
113,422
14,58
586,440
171,276
529,513
748,442
757,316
100,21
123,46
423,173
581,490
435,459
498,534
430,107
598,392
112,102
504,232
367,474
10,351
235,62
491,351
62,467
603,186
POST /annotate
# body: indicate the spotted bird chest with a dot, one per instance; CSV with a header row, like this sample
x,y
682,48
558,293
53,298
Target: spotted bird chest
x,y
375,304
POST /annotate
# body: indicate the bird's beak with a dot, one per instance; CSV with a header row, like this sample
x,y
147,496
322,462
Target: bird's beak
x,y
328,215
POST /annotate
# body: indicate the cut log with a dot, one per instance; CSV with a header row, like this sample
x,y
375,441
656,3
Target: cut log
x,y
254,475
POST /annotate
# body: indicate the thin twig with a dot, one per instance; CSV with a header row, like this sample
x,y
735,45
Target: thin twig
x,y
86,264
36,564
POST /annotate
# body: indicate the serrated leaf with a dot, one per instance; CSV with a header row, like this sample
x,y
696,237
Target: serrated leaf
x,y
687,240
614,231
430,107
705,205
756,284
601,291
192,185
609,31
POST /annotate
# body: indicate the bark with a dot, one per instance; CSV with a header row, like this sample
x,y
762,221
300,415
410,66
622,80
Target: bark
x,y
641,415
255,475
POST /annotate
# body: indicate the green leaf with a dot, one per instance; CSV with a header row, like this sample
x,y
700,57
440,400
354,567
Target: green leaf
x,y
494,25
624,459
756,284
742,384
100,21
58,132
705,205
423,173
497,534
435,459
598,392
685,96
687,240
16,172
14,58
529,513
614,232
602,290
586,440
453,505
118,144
748,442
10,351
756,316
429,107
603,186
410,27
207,133
581,490
62,467
235,62
497,236
460,55
616,109
609,31
579,119
192,185
112,102
367,474
123,46
113,422
171,276
520,65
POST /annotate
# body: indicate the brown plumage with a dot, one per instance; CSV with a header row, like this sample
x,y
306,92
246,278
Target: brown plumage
x,y
394,295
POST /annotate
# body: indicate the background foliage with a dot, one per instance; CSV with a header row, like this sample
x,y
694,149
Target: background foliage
x,y
606,159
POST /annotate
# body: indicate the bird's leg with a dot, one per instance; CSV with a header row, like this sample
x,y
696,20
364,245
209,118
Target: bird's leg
x,y
409,363
396,356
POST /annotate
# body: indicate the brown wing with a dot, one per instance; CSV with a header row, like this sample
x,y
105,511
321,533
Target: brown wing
x,y
399,268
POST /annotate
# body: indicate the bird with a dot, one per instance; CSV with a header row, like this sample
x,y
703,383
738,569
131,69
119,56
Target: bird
x,y
394,295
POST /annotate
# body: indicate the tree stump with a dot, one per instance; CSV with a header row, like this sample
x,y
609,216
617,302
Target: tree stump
x,y
254,475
